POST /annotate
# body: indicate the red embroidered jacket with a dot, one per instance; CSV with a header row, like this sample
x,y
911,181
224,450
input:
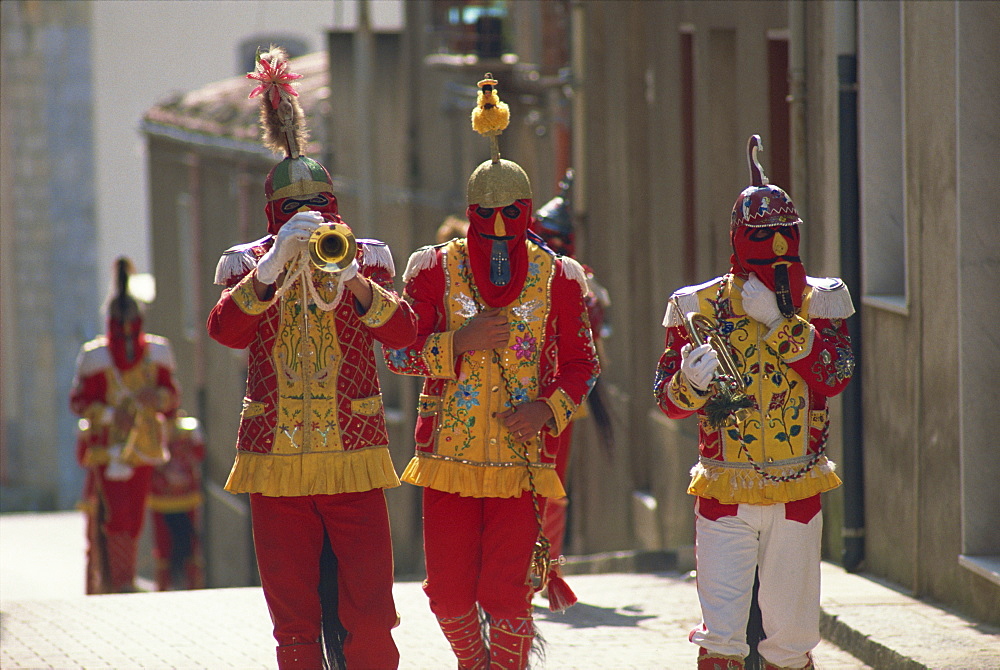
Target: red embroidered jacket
x,y
98,388
312,421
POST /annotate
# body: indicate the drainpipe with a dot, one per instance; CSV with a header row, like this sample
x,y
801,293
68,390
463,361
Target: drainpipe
x,y
363,53
797,102
850,263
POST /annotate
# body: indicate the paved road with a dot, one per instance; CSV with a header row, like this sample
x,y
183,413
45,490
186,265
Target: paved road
x,y
622,622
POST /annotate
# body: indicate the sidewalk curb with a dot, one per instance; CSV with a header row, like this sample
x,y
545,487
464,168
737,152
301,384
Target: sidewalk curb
x,y
874,621
861,646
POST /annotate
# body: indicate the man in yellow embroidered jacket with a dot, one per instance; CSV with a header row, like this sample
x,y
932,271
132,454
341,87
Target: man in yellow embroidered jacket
x,y
762,463
312,449
505,346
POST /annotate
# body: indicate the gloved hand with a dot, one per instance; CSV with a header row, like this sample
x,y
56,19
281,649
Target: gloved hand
x,y
760,303
288,243
350,272
698,364
117,471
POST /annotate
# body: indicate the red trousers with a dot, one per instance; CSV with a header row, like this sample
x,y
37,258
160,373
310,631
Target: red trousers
x,y
288,538
177,550
478,550
554,509
114,537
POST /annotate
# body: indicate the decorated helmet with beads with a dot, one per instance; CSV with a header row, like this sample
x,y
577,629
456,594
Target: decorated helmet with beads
x,y
762,203
298,181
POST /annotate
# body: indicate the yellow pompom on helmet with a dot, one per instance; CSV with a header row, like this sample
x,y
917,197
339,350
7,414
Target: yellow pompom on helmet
x,y
496,182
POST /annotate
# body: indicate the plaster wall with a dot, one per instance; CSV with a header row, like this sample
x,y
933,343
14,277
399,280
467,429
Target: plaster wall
x,y
642,88
913,378
47,262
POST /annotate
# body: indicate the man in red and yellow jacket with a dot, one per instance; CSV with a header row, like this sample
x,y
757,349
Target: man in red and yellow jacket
x,y
762,437
505,346
312,449
123,387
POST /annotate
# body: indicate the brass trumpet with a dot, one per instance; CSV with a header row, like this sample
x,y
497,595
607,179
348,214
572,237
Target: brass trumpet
x,y
730,403
332,247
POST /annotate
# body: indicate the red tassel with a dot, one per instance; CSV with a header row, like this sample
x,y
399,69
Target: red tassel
x,y
561,596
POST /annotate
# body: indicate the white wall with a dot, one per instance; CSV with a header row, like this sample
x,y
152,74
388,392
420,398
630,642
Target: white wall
x,y
145,50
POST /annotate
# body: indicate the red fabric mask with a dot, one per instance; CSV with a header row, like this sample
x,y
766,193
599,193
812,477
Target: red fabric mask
x,y
126,341
772,253
501,229
281,210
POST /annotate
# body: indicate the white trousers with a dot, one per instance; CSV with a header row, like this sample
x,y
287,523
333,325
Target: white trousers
x,y
787,555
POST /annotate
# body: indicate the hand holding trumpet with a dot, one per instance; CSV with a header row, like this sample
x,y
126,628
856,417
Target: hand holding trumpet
x,y
290,241
699,365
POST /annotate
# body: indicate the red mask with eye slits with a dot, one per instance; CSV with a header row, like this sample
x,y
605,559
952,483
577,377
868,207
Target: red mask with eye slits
x,y
498,254
764,230
126,341
772,253
281,210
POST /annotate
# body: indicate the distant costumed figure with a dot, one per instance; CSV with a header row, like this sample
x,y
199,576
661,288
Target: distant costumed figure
x,y
506,352
553,223
756,354
308,301
123,387
175,503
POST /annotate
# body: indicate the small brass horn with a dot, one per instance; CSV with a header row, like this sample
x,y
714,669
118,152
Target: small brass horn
x,y
332,247
729,403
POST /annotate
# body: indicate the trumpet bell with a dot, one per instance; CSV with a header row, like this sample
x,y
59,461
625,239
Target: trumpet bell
x,y
332,247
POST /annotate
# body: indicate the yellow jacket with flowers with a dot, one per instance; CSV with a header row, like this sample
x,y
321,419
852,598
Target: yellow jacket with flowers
x,y
777,453
461,447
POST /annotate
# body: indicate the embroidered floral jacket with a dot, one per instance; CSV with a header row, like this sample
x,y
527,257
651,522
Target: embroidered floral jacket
x,y
460,446
312,420
99,387
789,372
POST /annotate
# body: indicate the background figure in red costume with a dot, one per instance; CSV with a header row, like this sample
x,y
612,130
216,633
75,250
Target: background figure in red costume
x,y
175,503
506,353
778,350
312,449
553,223
123,387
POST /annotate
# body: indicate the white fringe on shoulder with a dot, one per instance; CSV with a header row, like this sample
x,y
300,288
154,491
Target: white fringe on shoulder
x,y
235,262
573,270
688,302
160,351
423,258
377,254
831,299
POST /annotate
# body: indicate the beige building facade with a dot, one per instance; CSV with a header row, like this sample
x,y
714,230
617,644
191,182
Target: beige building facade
x,y
874,117
891,140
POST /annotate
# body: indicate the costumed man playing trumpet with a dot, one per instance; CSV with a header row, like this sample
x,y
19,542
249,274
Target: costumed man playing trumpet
x,y
507,355
124,384
309,301
762,437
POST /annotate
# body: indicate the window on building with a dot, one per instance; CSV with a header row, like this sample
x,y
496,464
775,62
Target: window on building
x,y
883,238
470,27
779,123
690,238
